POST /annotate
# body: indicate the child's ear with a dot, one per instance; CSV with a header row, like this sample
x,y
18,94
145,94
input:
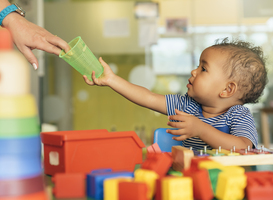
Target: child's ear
x,y
230,90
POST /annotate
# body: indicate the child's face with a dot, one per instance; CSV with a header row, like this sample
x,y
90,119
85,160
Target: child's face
x,y
209,79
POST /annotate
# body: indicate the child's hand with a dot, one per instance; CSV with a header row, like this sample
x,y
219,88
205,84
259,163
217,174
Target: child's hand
x,y
104,78
188,125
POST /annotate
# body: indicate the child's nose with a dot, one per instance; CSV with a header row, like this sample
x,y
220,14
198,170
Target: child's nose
x,y
193,72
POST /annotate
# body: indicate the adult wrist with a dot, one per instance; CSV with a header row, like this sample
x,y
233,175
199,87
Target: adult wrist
x,y
14,8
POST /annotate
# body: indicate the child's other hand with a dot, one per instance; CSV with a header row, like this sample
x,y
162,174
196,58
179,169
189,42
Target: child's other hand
x,y
104,78
188,125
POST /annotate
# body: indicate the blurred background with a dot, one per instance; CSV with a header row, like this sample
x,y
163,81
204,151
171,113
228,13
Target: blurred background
x,y
155,44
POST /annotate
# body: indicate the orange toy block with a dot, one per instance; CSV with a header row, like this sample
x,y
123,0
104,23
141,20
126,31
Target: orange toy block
x,y
202,189
181,158
158,162
158,187
87,150
195,162
132,191
259,185
69,185
154,148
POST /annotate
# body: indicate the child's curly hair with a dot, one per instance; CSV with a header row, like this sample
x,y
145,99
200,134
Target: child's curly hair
x,y
246,66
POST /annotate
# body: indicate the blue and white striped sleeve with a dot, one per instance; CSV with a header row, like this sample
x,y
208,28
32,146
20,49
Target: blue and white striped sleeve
x,y
175,101
243,125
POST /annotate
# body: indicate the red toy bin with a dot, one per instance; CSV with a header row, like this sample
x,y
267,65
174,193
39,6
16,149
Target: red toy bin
x,y
87,150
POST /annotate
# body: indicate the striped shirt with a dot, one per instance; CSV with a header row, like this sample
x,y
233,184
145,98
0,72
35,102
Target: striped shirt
x,y
237,121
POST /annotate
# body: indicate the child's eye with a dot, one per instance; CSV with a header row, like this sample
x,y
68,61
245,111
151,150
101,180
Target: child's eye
x,y
203,69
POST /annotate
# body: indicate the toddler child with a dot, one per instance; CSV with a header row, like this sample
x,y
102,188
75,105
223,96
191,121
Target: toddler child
x,y
211,113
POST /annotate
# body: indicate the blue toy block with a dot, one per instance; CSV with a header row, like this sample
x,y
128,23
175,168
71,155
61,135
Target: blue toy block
x,y
95,181
21,146
20,157
164,139
19,167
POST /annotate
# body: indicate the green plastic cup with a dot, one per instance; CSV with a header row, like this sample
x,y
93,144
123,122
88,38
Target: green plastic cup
x,y
82,59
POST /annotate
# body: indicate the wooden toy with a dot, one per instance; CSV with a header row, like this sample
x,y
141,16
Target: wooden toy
x,y
259,185
96,178
202,189
209,165
158,162
172,172
213,175
69,185
86,150
181,158
244,160
149,177
33,196
233,169
154,148
20,187
177,188
196,160
111,187
230,186
20,146
133,191
240,157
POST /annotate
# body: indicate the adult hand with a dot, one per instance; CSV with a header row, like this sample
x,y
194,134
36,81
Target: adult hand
x,y
28,36
188,125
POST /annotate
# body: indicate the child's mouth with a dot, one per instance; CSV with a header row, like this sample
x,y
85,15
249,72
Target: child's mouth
x,y
189,84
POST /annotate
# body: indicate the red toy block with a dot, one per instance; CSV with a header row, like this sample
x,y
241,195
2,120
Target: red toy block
x,y
259,185
86,150
158,187
69,185
154,148
34,196
195,161
133,191
202,189
158,162
158,194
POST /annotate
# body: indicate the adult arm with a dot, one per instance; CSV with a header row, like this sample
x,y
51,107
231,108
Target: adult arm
x,y
28,36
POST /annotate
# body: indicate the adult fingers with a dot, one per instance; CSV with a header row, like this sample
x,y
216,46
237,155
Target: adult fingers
x,y
58,42
30,57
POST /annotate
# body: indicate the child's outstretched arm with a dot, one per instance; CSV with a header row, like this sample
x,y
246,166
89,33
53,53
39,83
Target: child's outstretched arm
x,y
137,94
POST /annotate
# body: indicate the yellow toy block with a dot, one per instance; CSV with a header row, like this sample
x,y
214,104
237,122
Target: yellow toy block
x,y
232,153
181,158
234,169
149,177
224,151
209,164
230,186
21,106
110,187
177,188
